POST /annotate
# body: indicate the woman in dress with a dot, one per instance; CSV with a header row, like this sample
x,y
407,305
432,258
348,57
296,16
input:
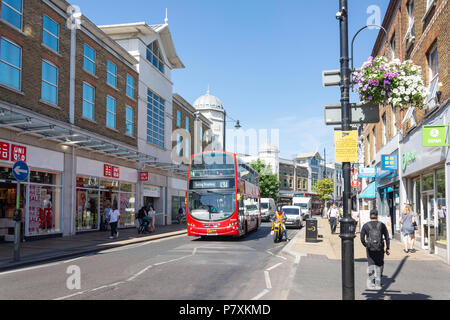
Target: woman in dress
x,y
407,221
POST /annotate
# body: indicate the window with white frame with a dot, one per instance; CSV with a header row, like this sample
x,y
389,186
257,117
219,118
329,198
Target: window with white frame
x,y
394,121
429,3
129,118
50,33
155,119
111,77
12,12
178,118
374,140
88,101
384,129
155,56
49,86
130,86
10,64
188,147
201,139
393,47
110,112
411,18
433,71
89,59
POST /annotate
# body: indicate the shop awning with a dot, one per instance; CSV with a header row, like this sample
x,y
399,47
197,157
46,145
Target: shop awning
x,y
369,192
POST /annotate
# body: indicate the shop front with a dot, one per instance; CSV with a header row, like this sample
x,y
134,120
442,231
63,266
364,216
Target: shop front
x,y
100,186
425,174
40,198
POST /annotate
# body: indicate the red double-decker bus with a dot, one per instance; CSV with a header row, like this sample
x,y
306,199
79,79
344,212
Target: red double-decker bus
x,y
316,203
223,197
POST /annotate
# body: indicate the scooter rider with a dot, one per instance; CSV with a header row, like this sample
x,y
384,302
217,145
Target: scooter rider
x,y
280,216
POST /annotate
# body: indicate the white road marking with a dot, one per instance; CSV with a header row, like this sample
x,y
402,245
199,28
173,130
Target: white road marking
x,y
138,274
267,278
275,266
263,293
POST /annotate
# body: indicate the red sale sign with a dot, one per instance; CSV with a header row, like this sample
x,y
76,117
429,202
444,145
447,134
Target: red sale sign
x,y
18,153
4,151
143,176
107,170
115,172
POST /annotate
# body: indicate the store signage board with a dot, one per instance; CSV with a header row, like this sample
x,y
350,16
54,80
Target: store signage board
x,y
143,176
21,171
111,171
389,162
368,172
346,146
4,151
18,153
435,136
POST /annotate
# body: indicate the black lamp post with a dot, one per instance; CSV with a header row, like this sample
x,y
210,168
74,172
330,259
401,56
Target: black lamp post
x,y
237,126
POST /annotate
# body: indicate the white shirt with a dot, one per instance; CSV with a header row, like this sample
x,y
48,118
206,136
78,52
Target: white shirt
x,y
151,213
333,213
114,216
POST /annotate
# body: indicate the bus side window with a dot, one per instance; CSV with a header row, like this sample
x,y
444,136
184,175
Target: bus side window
x,y
241,207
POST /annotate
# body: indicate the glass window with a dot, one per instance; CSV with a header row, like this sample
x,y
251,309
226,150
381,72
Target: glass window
x,y
187,124
49,90
89,59
87,182
155,57
88,101
50,34
212,206
127,209
111,77
178,118
110,112
44,208
428,182
129,118
130,86
155,119
45,177
10,64
86,217
127,187
12,12
441,206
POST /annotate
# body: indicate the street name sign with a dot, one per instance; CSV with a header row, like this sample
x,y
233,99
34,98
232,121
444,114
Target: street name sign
x,y
20,171
346,146
435,136
361,113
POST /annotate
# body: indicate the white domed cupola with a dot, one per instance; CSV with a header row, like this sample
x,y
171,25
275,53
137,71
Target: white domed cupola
x,y
208,101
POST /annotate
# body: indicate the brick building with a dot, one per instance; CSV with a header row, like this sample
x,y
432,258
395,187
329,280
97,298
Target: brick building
x,y
68,107
417,30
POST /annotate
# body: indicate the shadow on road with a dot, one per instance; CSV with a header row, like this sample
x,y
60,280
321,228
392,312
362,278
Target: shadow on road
x,y
385,294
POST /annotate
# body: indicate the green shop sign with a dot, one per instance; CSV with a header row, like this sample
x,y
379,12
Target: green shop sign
x,y
408,158
435,136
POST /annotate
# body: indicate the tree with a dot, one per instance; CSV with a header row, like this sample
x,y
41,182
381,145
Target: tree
x,y
324,188
268,181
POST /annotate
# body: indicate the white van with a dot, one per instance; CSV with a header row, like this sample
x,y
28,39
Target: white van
x,y
305,204
268,209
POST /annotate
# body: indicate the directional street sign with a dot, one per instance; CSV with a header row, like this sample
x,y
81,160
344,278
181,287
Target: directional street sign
x,y
361,113
331,78
20,170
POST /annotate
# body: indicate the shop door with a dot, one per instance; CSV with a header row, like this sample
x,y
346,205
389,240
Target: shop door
x,y
427,225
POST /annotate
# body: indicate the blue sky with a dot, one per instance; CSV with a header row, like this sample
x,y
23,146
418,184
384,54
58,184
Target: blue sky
x,y
262,58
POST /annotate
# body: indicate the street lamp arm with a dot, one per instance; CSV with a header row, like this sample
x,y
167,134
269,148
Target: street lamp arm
x,y
354,37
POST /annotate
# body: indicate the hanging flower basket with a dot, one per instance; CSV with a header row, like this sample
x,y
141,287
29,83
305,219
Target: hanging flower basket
x,y
391,82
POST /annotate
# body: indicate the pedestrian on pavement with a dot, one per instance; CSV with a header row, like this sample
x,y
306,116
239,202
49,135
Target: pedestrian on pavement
x,y
408,223
377,235
442,214
333,216
105,217
113,221
152,216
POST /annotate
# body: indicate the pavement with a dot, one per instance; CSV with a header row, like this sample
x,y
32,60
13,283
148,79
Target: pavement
x,y
33,252
329,245
411,276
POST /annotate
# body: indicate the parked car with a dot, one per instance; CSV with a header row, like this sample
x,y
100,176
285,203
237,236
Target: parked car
x,y
268,209
294,215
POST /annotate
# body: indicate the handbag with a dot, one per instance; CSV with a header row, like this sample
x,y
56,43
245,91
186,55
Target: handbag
x,y
415,225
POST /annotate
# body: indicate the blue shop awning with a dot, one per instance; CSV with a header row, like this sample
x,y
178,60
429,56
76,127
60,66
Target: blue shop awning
x,y
369,192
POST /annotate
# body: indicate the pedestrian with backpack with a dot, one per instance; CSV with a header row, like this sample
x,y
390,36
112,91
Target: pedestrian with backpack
x,y
374,235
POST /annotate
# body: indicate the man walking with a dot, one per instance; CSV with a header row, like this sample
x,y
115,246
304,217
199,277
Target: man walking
x,y
377,234
333,216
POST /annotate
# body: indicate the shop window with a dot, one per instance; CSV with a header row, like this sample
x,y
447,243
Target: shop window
x,y
127,209
86,211
44,208
441,206
87,182
428,183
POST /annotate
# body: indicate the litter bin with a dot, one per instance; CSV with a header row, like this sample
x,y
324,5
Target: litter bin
x,y
311,230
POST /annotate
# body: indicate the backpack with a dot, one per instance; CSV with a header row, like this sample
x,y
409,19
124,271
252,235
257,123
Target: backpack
x,y
374,240
141,214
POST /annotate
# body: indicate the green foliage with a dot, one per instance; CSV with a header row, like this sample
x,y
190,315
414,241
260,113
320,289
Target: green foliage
x,y
268,181
324,188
